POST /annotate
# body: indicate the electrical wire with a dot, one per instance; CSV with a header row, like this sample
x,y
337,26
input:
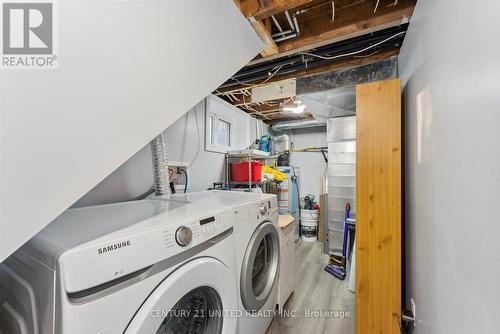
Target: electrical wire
x,y
272,75
198,146
186,183
295,181
144,195
354,52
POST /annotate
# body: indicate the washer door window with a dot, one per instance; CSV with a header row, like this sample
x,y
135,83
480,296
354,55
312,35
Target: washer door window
x,y
260,266
191,300
199,311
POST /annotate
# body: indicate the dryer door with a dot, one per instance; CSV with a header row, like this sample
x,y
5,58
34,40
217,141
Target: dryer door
x,y
259,272
191,300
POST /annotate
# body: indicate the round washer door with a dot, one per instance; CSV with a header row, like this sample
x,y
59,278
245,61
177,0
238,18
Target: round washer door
x,y
190,300
259,272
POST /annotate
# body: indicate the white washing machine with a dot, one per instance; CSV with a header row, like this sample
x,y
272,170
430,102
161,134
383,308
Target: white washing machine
x,y
137,267
255,219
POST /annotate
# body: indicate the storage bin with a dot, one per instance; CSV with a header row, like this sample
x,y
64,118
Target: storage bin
x,y
239,171
309,229
310,214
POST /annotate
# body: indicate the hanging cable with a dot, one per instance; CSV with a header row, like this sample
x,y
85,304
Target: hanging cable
x,y
197,135
185,183
354,52
295,181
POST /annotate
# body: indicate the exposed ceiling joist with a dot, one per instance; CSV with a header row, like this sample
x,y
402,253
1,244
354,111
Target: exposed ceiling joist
x,y
308,39
318,29
321,30
264,33
261,9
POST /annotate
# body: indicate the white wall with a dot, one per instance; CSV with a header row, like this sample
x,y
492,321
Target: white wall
x,y
120,64
450,70
183,142
312,165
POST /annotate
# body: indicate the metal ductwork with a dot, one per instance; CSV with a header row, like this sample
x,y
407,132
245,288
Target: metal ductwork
x,y
298,124
160,166
283,139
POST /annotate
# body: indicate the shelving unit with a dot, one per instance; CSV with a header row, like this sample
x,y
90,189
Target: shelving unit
x,y
244,155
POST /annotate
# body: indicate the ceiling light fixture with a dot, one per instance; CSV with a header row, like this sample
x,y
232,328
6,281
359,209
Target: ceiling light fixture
x,y
298,109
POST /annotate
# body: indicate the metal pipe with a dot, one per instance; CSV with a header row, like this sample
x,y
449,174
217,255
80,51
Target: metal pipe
x,y
276,23
160,166
289,20
282,33
298,124
284,38
297,29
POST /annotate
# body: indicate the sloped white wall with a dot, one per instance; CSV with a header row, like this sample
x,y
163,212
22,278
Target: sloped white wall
x,y
127,70
450,69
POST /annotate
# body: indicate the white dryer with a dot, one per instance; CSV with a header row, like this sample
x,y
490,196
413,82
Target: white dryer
x,y
255,219
257,263
137,267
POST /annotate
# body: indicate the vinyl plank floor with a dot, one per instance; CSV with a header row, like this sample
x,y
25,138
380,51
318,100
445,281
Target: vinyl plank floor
x,y
321,303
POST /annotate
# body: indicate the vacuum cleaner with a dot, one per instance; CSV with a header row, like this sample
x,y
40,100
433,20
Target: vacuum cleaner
x,y
337,266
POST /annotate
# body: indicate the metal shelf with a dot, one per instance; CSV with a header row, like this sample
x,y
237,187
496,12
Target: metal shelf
x,y
247,155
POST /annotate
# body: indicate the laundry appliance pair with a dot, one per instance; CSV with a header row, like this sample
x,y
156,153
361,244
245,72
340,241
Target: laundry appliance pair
x,y
202,262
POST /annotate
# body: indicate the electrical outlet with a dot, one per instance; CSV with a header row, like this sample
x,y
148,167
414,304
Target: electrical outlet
x,y
414,311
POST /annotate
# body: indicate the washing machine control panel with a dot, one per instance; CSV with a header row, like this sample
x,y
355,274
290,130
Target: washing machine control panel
x,y
106,259
263,209
209,226
183,236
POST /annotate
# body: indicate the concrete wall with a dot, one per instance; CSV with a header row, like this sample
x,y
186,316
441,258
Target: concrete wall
x,y
450,71
312,165
184,143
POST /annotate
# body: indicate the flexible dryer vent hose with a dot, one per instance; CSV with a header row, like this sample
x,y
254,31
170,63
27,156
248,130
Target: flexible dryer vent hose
x,y
160,166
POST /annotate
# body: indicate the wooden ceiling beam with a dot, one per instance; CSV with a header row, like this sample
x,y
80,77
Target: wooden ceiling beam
x,y
317,28
264,33
321,30
261,9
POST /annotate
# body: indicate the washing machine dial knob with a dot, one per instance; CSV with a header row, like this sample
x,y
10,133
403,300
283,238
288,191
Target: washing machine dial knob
x,y
183,236
263,209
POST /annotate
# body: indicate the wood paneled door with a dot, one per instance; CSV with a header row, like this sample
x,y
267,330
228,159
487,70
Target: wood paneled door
x,y
378,207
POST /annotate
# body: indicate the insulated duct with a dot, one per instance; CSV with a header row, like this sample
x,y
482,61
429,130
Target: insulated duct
x,y
160,166
286,141
305,123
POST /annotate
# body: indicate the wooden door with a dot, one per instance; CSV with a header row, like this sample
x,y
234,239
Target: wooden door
x,y
378,207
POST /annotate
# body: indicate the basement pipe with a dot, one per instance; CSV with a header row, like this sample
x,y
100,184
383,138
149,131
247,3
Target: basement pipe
x,y
298,124
160,166
284,38
297,29
276,23
290,23
281,33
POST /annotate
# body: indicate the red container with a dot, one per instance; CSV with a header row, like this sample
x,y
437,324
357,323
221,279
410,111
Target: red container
x,y
239,171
